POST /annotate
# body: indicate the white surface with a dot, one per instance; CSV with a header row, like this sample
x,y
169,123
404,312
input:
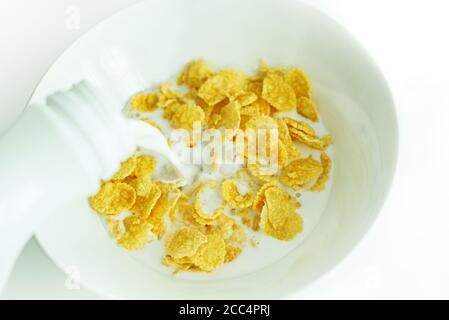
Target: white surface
x,y
404,255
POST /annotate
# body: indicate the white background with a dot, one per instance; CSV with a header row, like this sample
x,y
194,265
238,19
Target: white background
x,y
405,255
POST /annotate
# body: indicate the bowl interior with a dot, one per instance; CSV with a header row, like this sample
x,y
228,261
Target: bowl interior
x,y
149,43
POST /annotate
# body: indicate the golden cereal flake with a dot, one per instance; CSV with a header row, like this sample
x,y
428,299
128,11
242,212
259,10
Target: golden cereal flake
x,y
142,185
182,264
284,136
278,93
208,109
195,74
144,102
305,134
258,108
299,81
190,95
326,163
255,85
230,116
167,187
243,120
259,200
232,253
113,198
254,223
115,228
185,213
292,226
313,142
264,174
200,220
193,191
164,207
307,108
137,233
211,255
280,204
145,204
126,169
232,195
300,172
185,116
226,226
247,98
170,107
145,166
251,110
228,83
249,218
265,69
261,122
299,125
167,95
264,107
214,120
235,242
185,242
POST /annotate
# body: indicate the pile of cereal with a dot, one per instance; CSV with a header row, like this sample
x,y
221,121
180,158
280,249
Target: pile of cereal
x,y
139,209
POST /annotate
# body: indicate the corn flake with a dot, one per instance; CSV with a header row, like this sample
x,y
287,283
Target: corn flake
x,y
227,83
278,93
113,198
300,172
163,207
232,195
259,200
211,255
144,102
292,226
185,242
230,116
145,204
311,141
307,108
126,169
115,228
145,166
299,81
279,204
195,74
185,116
326,163
137,233
284,136
235,242
247,98
299,125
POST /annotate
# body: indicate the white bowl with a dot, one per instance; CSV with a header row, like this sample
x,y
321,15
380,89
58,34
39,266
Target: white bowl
x,y
149,43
